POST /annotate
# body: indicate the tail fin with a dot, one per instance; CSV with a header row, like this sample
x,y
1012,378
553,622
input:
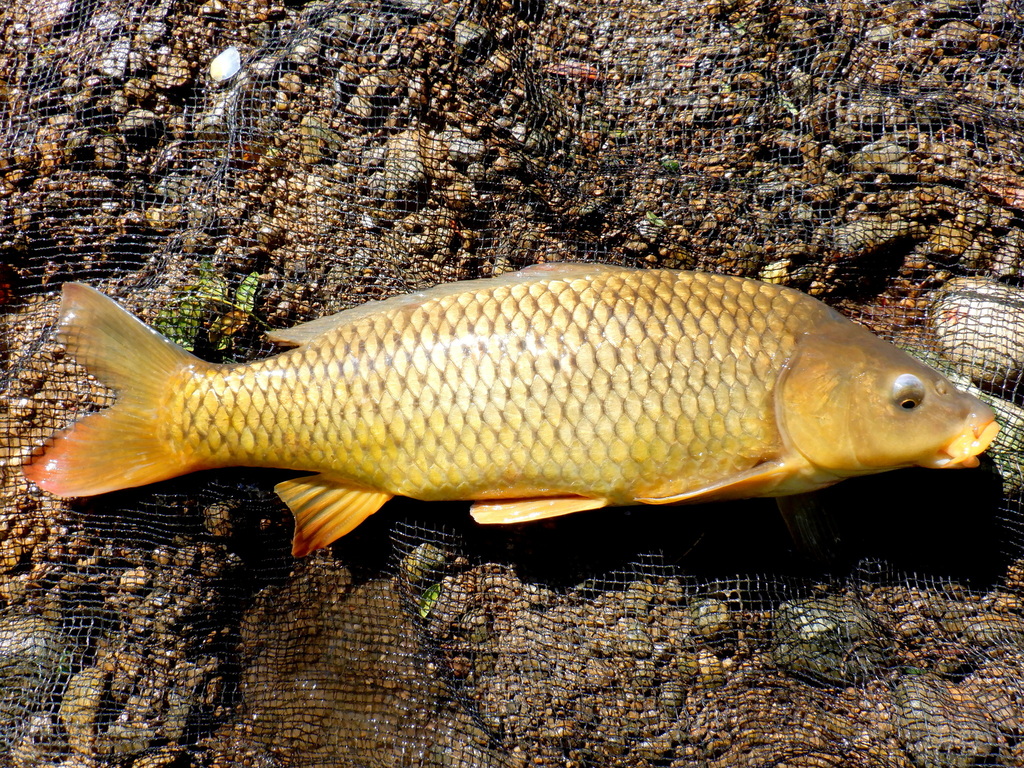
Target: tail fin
x,y
118,447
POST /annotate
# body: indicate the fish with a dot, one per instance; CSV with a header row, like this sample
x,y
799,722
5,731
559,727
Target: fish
x,y
553,390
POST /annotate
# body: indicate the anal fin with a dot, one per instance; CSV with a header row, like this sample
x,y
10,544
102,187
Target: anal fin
x,y
325,509
506,511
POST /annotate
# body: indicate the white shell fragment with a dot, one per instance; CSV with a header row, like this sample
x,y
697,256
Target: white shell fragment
x,y
225,65
979,326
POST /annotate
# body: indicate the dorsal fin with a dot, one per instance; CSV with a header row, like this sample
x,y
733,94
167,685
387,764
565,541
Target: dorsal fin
x,y
562,270
303,333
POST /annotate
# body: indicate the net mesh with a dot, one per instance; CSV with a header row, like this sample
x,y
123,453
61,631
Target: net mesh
x,y
866,152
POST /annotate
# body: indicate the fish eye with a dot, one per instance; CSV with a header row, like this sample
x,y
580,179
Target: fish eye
x,y
907,391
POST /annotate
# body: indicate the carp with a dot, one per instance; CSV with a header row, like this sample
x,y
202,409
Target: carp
x,y
548,391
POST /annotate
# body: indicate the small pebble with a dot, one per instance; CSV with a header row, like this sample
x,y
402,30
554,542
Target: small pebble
x,y
225,65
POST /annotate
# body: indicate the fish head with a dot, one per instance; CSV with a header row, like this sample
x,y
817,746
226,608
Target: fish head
x,y
853,404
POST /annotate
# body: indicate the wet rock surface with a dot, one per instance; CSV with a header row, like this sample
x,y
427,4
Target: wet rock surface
x,y
979,324
940,727
831,640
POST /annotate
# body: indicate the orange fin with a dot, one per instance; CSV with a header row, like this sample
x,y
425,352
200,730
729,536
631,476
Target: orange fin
x,y
761,480
325,509
505,511
118,447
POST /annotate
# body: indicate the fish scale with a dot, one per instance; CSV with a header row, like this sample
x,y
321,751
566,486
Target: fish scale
x,y
545,392
570,404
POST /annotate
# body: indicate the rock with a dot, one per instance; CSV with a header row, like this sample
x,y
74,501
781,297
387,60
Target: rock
x,y
956,36
470,39
872,233
141,121
114,62
776,271
710,671
404,174
30,653
939,727
80,708
833,640
172,70
882,157
994,629
638,597
979,326
636,641
44,15
225,65
422,561
305,51
462,149
710,618
318,140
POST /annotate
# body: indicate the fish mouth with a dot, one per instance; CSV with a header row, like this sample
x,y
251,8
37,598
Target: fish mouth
x,y
963,450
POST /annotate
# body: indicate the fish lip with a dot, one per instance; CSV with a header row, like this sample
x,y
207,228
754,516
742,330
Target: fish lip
x,y
962,451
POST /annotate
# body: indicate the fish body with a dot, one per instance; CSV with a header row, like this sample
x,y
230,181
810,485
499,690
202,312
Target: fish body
x,y
548,391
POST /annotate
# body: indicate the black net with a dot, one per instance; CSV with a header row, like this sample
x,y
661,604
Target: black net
x,y
226,167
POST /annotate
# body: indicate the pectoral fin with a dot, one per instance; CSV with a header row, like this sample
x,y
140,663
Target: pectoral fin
x,y
325,509
757,481
505,511
812,526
